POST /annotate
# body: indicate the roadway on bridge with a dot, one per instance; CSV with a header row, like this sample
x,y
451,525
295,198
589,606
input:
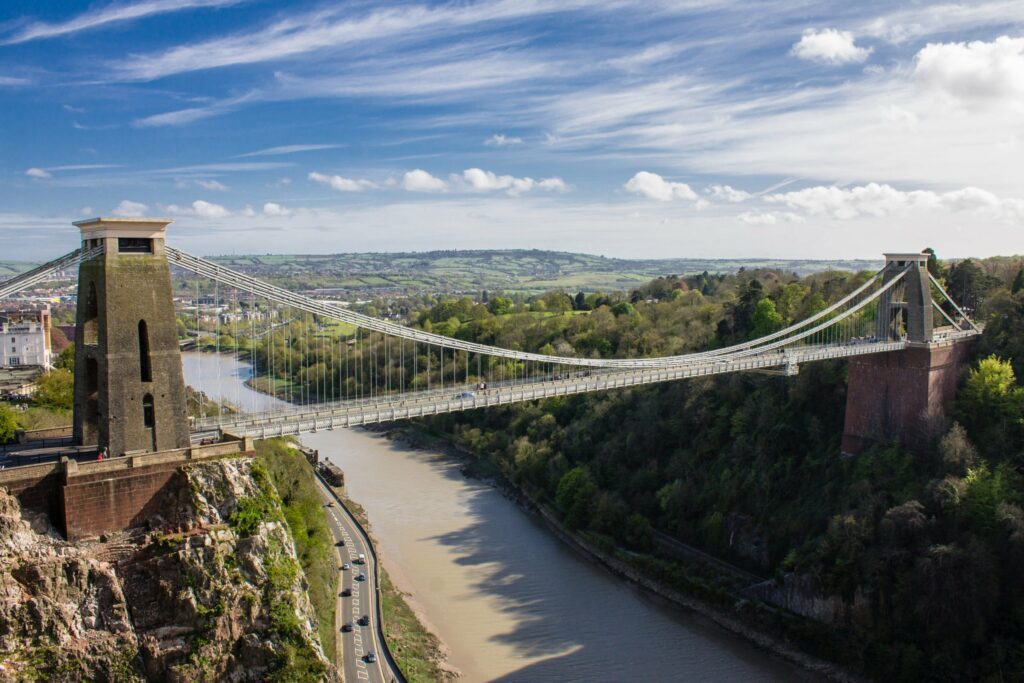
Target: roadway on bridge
x,y
361,640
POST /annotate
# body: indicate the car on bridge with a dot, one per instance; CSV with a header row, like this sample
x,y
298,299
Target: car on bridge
x,y
346,593
345,567
364,620
340,543
465,396
346,627
371,657
361,577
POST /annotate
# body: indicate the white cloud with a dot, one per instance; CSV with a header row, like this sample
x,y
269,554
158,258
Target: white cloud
x,y
769,217
880,200
205,209
12,81
553,184
111,14
974,71
728,194
86,211
340,183
323,30
200,209
274,209
640,60
130,209
654,186
480,180
287,149
38,173
829,46
419,180
212,185
500,140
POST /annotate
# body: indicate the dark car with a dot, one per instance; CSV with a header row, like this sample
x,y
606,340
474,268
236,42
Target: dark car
x,y
340,543
371,657
361,577
346,627
346,592
364,620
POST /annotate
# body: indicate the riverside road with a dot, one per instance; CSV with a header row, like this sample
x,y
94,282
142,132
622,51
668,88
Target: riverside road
x,y
363,638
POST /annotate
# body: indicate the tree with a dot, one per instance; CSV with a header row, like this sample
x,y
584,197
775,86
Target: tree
x,y
956,450
579,303
66,359
991,405
500,305
969,285
575,496
623,308
55,389
1018,282
8,423
766,319
935,266
789,299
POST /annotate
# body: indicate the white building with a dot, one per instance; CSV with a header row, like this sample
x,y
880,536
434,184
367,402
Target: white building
x,y
25,338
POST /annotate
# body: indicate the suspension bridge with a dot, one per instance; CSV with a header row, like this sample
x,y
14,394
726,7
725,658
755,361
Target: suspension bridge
x,y
380,370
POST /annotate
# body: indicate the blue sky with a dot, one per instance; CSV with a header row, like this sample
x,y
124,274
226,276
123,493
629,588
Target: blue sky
x,y
637,129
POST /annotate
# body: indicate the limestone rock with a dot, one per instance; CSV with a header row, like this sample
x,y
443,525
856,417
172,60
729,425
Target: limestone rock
x,y
194,605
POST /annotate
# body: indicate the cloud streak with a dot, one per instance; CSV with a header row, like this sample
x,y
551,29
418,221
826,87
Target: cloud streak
x,y
111,14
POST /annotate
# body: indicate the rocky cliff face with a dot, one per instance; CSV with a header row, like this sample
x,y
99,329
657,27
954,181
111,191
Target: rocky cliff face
x,y
215,594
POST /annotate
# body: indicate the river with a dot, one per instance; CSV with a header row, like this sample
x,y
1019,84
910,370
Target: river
x,y
511,602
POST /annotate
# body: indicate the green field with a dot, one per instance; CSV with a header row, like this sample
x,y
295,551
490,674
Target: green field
x,y
521,270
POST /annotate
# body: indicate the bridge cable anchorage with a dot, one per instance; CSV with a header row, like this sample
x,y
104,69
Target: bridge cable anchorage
x,y
43,272
282,296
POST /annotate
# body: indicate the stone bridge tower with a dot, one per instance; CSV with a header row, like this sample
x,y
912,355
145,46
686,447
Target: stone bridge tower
x,y
900,396
129,390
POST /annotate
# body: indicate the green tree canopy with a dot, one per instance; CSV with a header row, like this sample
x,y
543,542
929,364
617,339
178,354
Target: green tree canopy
x,y
1018,282
55,390
766,318
575,495
8,423
66,359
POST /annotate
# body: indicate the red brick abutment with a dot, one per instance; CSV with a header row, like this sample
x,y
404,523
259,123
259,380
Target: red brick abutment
x,y
902,396
87,499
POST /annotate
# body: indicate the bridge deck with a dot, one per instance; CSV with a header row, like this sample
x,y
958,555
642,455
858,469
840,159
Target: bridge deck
x,y
297,420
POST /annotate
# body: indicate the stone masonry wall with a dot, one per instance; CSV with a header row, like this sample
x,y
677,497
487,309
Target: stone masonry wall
x,y
104,502
896,396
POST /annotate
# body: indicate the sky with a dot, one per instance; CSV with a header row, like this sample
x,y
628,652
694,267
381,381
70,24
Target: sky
x,y
677,128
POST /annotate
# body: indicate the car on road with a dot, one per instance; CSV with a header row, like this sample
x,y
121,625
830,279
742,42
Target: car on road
x,y
346,627
361,577
371,657
340,543
345,567
330,504
364,620
346,593
465,395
